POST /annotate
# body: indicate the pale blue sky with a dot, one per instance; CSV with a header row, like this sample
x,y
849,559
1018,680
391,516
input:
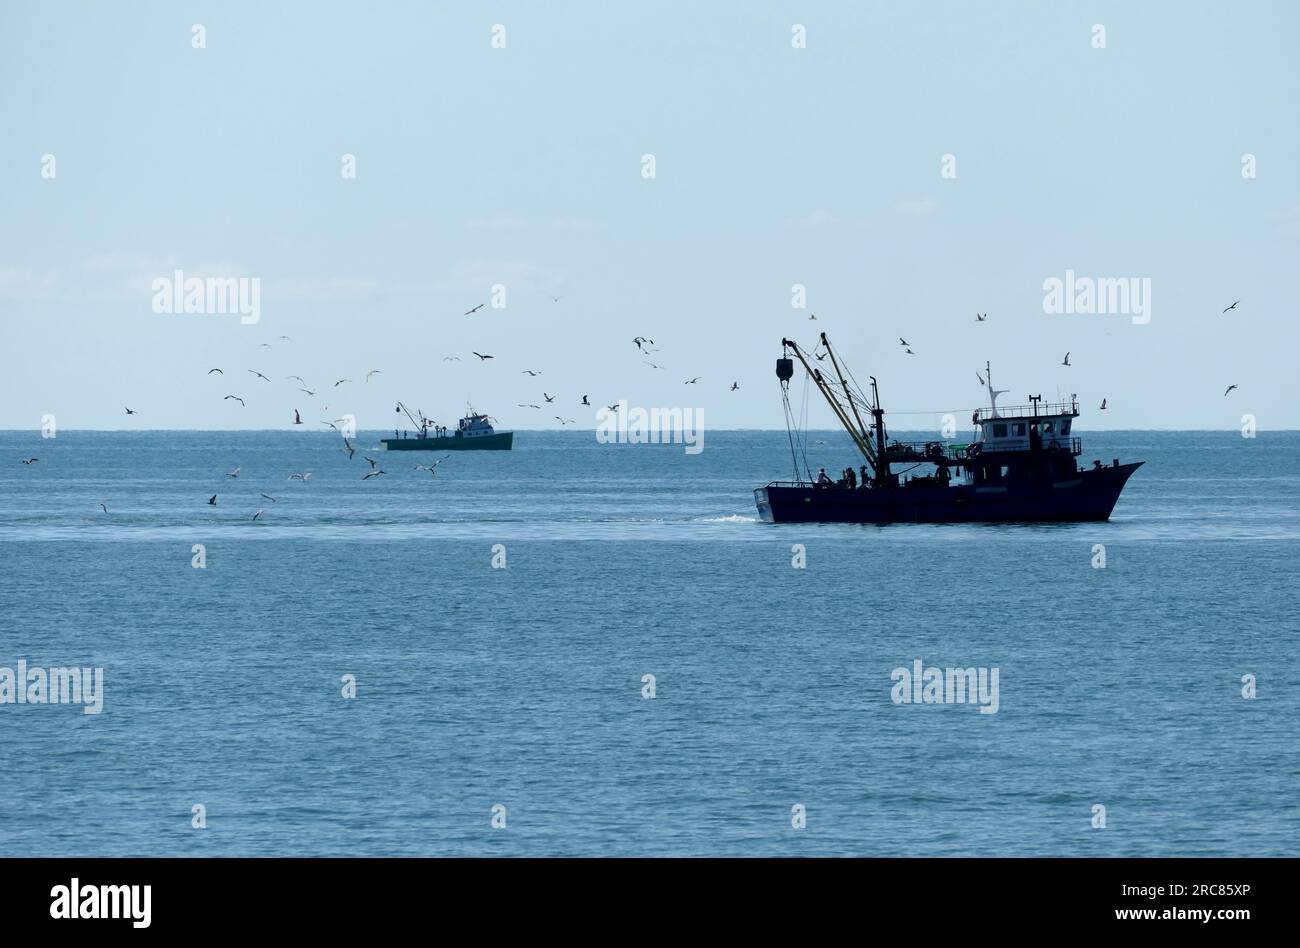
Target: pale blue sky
x,y
522,166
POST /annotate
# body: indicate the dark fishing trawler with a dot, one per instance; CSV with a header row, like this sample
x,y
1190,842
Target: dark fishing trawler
x,y
1022,465
474,433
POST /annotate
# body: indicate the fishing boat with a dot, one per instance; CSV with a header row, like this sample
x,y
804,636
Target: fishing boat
x,y
1021,466
474,433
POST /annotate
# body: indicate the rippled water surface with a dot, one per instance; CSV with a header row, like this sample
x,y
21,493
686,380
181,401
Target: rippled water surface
x,y
523,686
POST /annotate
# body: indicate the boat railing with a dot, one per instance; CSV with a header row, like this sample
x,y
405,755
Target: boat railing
x,y
965,452
1070,408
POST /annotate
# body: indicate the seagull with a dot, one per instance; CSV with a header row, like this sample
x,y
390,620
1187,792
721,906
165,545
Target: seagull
x,y
213,500
910,352
258,514
130,412
470,312
980,317
530,372
1066,360
347,446
340,382
563,421
265,345
373,462
367,477
692,381
103,508
331,424
1230,388
549,398
300,477
640,339
555,299
483,358
812,316
234,473
235,397
297,419
522,405
432,467
735,386
1103,405
308,391
1233,306
584,400
451,358
30,460
903,341
259,374
295,378
372,372
980,377
611,408
285,338
270,498
218,371
655,366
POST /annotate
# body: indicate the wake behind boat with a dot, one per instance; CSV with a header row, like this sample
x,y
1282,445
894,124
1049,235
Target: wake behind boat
x,y
1021,467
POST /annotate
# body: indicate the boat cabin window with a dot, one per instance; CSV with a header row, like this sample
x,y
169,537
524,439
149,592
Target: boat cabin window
x,y
999,431
1047,427
1002,474
1065,426
1018,429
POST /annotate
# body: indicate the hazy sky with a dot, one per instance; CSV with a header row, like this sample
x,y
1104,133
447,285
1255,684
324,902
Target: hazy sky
x,y
523,166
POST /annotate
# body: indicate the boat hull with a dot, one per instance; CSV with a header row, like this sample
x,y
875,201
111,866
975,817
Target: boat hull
x,y
501,441
1089,495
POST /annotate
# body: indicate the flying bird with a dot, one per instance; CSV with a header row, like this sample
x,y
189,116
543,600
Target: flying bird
x,y
218,371
530,372
692,381
980,377
812,315
212,501
340,382
470,312
103,508
259,374
564,421
980,317
483,358
373,462
258,514
584,400
270,498
611,408
367,477
451,358
372,372
1233,306
347,446
308,391
297,419
735,386
1230,388
1103,405
295,378
235,397
903,341
300,477
30,460
1066,360
130,412
910,352
549,398
556,299
522,405
654,366
234,473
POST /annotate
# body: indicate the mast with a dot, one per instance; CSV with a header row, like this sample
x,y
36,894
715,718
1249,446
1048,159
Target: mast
x,y
857,434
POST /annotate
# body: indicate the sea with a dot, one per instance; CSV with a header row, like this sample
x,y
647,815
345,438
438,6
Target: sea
x,y
590,649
